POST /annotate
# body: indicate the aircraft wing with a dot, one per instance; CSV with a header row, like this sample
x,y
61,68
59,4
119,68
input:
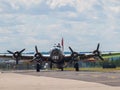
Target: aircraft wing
x,y
82,57
76,56
11,57
5,56
110,55
24,57
102,56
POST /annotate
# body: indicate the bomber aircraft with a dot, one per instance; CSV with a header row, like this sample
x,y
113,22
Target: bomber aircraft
x,y
56,57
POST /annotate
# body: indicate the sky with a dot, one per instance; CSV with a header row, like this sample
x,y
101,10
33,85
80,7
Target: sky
x,y
82,23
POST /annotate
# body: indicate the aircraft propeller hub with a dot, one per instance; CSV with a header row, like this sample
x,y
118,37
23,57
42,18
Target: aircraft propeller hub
x,y
75,55
37,55
17,54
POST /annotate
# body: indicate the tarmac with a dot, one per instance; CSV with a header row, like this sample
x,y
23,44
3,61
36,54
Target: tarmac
x,y
17,81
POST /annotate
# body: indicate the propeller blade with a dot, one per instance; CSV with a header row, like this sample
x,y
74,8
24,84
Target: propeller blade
x,y
36,49
10,52
101,57
98,46
34,58
31,61
22,50
71,49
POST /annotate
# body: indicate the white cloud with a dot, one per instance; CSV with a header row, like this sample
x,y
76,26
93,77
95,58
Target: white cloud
x,y
1,9
4,31
115,9
82,5
26,3
59,3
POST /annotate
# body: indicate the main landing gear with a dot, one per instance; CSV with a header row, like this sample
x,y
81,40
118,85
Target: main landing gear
x,y
76,66
38,67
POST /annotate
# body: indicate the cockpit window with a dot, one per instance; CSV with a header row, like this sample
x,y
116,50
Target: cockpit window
x,y
58,46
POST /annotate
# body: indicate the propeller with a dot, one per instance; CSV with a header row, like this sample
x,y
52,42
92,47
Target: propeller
x,y
36,49
97,52
37,55
17,55
74,54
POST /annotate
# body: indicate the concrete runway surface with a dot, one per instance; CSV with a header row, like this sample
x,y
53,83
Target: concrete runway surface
x,y
55,80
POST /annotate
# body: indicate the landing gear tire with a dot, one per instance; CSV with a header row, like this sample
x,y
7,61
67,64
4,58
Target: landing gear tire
x,y
76,66
62,69
51,65
38,67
